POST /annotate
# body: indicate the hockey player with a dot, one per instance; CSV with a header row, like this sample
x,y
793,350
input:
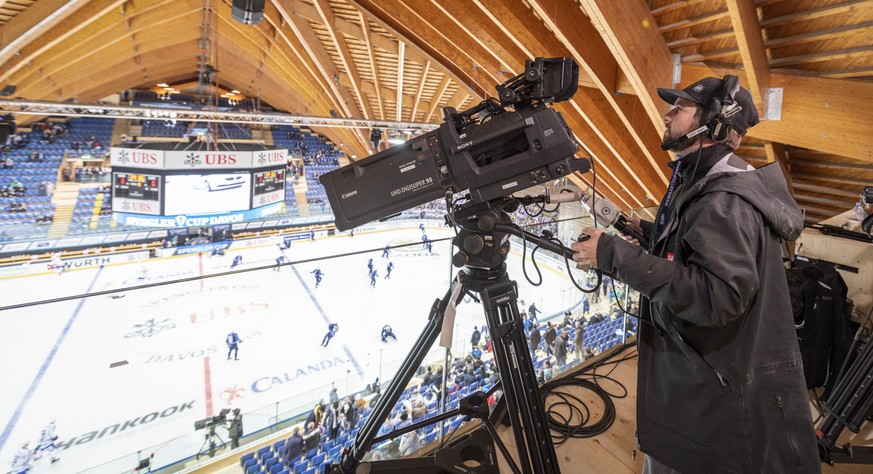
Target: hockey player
x,y
370,266
386,252
21,463
280,259
429,245
332,329
388,270
236,261
57,263
424,239
387,332
318,275
143,273
233,341
421,226
217,252
373,275
46,444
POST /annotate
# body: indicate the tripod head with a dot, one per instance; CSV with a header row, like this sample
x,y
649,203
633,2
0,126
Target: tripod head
x,y
479,245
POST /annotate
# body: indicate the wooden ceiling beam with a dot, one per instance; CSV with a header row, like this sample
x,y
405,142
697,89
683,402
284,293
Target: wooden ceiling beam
x,y
671,7
699,39
848,73
826,190
806,59
401,60
328,18
367,36
820,35
33,22
324,64
418,92
694,21
744,18
437,97
87,15
817,113
815,13
399,20
110,39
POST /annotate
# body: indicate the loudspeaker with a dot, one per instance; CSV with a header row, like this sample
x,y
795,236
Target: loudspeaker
x,y
248,12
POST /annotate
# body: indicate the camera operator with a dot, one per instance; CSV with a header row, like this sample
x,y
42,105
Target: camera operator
x,y
235,428
720,382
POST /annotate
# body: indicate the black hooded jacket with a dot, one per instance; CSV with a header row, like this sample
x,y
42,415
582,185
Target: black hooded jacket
x,y
720,382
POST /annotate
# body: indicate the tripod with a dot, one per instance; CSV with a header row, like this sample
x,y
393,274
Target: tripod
x,y
483,241
848,406
212,442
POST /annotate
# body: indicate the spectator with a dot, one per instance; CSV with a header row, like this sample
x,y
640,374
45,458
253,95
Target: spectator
x,y
549,337
410,443
9,163
560,347
294,446
311,437
579,341
535,337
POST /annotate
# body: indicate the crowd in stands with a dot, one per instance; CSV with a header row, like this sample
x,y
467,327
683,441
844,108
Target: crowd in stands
x,y
333,424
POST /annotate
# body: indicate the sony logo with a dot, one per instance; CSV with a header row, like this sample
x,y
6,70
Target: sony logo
x,y
464,145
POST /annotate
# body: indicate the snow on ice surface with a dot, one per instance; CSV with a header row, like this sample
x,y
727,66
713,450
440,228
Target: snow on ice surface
x,y
57,356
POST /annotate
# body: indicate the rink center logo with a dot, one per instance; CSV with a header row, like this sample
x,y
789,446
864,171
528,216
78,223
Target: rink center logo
x,y
194,323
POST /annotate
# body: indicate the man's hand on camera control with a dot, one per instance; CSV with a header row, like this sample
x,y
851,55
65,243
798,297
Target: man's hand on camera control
x,y
634,223
585,251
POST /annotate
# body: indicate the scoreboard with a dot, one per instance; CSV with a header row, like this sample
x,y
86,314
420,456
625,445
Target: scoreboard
x,y
268,187
136,192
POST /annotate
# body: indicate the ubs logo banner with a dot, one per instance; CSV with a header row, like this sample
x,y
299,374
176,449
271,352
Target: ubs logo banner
x,y
136,158
199,160
173,321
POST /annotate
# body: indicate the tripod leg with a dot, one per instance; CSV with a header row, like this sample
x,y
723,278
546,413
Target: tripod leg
x,y
524,404
364,439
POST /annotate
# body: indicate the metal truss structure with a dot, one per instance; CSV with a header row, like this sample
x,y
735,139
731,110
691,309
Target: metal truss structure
x,y
180,112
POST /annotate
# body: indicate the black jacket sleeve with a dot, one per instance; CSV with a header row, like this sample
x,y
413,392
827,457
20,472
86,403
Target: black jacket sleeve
x,y
716,279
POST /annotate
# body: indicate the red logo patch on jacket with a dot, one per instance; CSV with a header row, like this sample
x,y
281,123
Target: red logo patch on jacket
x,y
671,256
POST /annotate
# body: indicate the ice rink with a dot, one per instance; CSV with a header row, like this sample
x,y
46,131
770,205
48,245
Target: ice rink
x,y
130,371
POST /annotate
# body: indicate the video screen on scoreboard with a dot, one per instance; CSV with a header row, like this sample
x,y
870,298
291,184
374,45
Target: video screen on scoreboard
x,y
136,192
206,193
268,187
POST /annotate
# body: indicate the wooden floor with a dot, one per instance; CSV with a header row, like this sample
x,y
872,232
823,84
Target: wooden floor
x,y
612,451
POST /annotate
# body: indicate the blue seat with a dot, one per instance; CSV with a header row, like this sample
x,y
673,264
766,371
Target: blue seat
x,y
317,460
275,468
311,470
300,467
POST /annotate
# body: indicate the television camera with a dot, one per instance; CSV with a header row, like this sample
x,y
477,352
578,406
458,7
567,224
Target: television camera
x,y
212,421
212,442
488,150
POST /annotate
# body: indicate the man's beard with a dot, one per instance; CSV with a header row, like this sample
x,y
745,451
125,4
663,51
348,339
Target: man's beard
x,y
682,145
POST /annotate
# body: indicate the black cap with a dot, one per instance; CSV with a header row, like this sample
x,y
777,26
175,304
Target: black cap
x,y
705,90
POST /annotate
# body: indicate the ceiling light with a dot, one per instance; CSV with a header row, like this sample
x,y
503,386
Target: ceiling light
x,y
163,84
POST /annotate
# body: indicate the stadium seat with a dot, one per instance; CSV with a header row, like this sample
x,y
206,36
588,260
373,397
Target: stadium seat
x,y
300,466
317,460
311,470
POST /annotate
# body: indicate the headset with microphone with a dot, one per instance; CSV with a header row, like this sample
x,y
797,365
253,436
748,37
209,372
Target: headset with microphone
x,y
715,115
